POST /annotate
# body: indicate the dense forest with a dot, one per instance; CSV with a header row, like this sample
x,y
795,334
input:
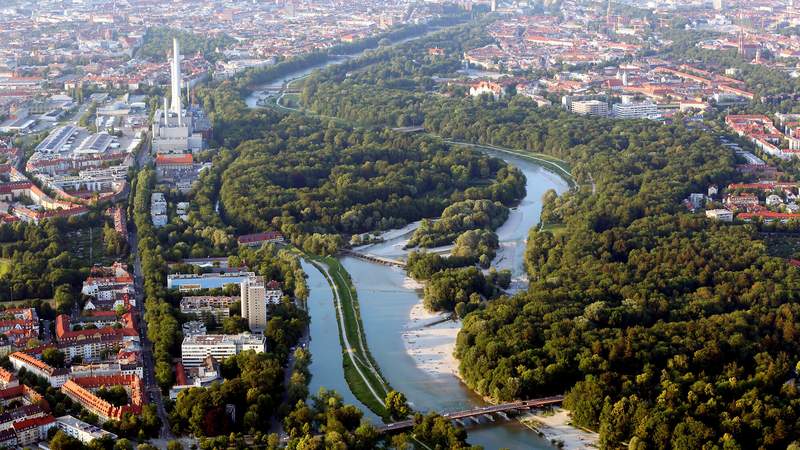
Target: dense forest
x,y
665,330
464,216
39,261
305,178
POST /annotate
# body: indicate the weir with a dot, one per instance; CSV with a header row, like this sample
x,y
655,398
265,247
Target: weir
x,y
474,413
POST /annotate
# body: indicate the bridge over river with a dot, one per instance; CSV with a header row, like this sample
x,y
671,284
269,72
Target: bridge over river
x,y
487,411
373,258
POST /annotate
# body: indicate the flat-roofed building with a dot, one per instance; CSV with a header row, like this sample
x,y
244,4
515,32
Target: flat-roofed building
x,y
635,110
57,140
195,349
208,306
589,107
82,431
254,303
95,144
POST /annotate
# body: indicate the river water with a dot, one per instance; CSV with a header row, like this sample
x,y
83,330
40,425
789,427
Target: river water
x,y
386,299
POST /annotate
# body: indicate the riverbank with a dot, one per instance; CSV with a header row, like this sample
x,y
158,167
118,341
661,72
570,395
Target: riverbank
x,y
430,340
556,426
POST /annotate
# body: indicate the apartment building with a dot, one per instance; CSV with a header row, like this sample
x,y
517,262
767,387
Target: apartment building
x,y
254,303
195,349
82,431
590,108
635,110
80,391
55,376
217,307
583,106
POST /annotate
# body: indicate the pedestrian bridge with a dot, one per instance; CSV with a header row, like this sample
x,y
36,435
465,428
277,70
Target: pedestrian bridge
x,y
373,258
486,411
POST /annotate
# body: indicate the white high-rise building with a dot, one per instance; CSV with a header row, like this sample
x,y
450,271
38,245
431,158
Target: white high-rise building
x,y
254,303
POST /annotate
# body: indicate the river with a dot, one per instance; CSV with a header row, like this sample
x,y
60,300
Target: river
x,y
265,89
326,352
386,299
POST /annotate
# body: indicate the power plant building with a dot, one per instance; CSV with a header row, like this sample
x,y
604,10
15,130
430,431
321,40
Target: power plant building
x,y
174,128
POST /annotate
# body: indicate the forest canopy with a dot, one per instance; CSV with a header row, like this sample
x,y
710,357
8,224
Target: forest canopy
x,y
307,178
665,330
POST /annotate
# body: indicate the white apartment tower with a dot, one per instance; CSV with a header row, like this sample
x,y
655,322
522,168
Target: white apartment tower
x,y
254,303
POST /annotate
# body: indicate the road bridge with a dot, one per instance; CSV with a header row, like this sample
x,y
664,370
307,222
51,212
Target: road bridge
x,y
473,414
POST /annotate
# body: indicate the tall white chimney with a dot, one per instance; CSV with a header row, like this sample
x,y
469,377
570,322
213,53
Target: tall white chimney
x,y
166,114
176,77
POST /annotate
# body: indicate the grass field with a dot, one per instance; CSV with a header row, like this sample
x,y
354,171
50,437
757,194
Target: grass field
x,y
5,266
556,228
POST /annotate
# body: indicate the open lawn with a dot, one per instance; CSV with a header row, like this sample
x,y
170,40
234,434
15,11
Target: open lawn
x,y
555,228
5,266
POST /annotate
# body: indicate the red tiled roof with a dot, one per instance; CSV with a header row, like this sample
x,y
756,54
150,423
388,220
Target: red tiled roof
x,y
768,215
174,159
65,334
259,237
78,390
33,423
31,360
6,376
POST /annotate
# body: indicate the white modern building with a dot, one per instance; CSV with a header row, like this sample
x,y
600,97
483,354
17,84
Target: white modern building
x,y
590,107
195,349
635,110
722,215
254,303
158,209
80,430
